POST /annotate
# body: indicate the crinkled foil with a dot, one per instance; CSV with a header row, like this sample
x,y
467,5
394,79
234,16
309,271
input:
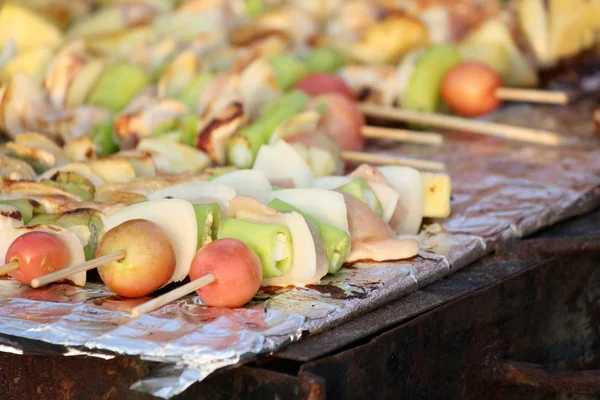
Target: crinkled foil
x,y
501,190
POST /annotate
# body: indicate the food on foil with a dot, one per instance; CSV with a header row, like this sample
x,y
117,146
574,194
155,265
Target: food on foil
x,y
35,250
198,139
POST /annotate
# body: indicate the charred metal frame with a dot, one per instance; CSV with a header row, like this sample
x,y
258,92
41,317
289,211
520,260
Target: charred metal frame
x,y
521,323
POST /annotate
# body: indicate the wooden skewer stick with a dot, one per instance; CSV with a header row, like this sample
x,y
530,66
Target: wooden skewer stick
x,y
402,135
86,266
464,124
532,96
11,266
173,295
379,159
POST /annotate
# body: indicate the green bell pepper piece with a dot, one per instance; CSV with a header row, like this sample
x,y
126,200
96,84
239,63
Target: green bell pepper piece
x,y
104,138
72,183
335,240
208,217
190,94
272,243
24,206
84,216
288,70
117,86
242,149
325,59
360,190
425,86
254,8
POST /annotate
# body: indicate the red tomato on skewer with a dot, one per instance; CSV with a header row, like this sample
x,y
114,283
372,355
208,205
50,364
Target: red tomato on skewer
x,y
469,89
237,270
38,254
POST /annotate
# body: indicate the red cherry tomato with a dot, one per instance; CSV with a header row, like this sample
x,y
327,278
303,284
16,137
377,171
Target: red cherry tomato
x,y
237,270
318,83
38,254
469,89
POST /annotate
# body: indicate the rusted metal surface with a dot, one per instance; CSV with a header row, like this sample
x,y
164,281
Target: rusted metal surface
x,y
557,380
547,313
24,377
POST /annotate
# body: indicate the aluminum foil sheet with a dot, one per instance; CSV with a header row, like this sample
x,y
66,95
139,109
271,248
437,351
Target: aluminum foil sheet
x,y
501,190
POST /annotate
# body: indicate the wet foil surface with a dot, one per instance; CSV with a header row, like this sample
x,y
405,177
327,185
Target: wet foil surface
x,y
501,190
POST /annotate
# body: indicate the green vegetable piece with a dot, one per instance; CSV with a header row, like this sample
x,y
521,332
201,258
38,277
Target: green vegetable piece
x,y
24,206
117,86
254,8
166,127
272,243
188,129
288,70
242,149
183,129
83,216
424,89
324,59
72,183
208,217
335,240
104,138
190,94
360,190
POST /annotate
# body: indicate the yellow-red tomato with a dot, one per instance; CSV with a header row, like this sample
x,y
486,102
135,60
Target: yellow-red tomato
x,y
469,89
237,270
149,260
38,254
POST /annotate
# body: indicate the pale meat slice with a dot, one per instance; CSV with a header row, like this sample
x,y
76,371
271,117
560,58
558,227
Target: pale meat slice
x,y
369,174
372,238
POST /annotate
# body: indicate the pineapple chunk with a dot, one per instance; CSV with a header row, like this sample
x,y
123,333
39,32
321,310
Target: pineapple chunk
x,y
557,29
495,32
574,26
28,29
533,21
436,195
389,40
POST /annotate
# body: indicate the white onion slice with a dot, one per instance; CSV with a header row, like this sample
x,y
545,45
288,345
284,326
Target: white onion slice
x,y
281,161
178,220
324,205
248,182
195,192
408,183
